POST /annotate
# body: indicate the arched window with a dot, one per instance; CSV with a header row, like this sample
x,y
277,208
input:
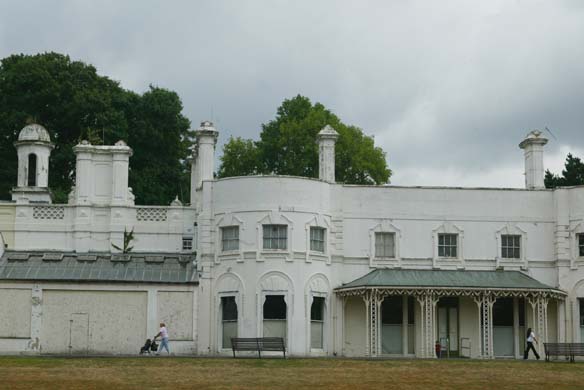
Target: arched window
x,y
228,320
317,323
275,324
32,170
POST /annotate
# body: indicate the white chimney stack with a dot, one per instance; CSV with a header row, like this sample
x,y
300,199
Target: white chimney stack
x,y
533,149
204,153
326,139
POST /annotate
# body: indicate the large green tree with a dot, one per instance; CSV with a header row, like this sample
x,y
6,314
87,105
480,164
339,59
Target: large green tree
x,y
572,174
287,146
73,102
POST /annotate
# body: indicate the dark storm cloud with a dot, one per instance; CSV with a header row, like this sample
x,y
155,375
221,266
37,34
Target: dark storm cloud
x,y
448,88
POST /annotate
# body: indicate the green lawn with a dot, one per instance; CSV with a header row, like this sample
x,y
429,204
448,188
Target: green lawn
x,y
212,373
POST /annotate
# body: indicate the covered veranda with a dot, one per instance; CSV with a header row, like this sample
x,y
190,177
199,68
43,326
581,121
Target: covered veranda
x,y
434,296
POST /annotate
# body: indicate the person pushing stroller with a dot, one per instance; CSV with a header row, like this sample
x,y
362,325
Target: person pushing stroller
x,y
163,334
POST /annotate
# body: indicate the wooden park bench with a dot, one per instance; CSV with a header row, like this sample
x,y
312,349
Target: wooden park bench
x,y
569,350
557,349
258,344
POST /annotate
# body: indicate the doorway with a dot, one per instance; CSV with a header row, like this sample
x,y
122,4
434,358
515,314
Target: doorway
x,y
448,326
503,322
79,333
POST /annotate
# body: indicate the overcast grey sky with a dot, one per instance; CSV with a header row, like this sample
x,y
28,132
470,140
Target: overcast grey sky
x,y
448,88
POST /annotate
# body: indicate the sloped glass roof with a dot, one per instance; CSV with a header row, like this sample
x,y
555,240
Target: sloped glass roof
x,y
99,267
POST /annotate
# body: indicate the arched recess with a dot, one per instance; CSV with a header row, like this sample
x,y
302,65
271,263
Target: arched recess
x,y
318,318
275,286
32,170
229,289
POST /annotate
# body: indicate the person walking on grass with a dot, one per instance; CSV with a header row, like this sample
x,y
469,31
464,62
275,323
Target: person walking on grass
x,y
163,333
530,340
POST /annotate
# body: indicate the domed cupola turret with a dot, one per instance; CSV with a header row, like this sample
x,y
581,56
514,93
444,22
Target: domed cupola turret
x,y
34,149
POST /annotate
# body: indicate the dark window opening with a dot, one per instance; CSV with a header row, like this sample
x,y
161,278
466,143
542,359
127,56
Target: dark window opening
x,y
275,307
317,309
521,312
229,308
32,170
411,311
503,312
392,310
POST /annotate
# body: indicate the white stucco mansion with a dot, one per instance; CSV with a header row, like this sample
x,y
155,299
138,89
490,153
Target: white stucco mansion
x,y
337,270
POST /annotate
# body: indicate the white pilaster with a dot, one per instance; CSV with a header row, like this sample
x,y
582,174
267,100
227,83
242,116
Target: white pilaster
x,y
36,319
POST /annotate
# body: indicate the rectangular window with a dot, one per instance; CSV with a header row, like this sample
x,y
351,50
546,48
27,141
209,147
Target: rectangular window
x,y
228,320
385,245
187,244
317,239
511,246
317,323
447,245
580,244
230,238
275,236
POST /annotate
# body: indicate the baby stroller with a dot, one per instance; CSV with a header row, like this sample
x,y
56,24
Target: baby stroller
x,y
146,347
149,345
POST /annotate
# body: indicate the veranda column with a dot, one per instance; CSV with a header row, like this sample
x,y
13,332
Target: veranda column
x,y
539,307
378,330
485,304
367,300
428,307
373,303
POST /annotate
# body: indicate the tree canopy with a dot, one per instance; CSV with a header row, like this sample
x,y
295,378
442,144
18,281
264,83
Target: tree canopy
x,y
287,146
73,102
572,174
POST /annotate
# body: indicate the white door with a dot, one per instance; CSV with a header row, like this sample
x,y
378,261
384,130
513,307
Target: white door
x,y
79,333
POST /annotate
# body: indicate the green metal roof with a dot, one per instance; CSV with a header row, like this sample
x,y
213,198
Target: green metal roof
x,y
98,267
445,278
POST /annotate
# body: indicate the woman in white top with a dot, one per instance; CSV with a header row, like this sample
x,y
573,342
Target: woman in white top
x,y
530,340
163,333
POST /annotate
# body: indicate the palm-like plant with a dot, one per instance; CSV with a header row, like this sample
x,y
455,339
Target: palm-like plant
x,y
128,238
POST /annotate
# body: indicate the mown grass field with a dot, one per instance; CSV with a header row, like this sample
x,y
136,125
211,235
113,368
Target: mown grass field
x,y
211,373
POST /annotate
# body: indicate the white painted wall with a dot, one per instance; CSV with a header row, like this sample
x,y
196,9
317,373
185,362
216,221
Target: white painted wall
x,y
87,318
